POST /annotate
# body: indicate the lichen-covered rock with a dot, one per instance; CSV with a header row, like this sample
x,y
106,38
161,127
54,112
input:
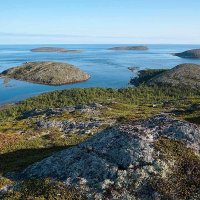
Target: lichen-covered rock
x,y
119,162
49,73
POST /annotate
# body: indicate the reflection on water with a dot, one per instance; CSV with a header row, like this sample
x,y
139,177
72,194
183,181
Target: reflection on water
x,y
6,82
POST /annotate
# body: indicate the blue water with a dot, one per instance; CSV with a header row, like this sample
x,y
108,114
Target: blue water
x,y
107,68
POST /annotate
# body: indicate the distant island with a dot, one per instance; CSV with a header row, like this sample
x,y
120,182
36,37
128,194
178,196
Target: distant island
x,y
49,73
129,48
181,75
193,53
54,49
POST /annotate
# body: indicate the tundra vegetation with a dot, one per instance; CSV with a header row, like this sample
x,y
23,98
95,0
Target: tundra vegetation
x,y
36,128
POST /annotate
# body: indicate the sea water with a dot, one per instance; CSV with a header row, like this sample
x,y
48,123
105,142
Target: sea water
x,y
107,68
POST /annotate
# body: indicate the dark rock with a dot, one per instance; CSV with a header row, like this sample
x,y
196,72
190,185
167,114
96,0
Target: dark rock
x,y
194,107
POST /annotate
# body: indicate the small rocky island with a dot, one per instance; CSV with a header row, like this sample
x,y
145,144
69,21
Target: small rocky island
x,y
194,53
181,75
49,73
54,49
129,48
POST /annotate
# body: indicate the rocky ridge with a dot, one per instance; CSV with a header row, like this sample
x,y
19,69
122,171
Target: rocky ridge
x,y
119,162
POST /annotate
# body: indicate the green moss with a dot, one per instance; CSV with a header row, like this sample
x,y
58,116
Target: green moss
x,y
21,153
183,179
4,181
43,189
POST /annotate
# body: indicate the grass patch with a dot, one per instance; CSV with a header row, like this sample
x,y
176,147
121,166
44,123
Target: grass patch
x,y
183,180
42,189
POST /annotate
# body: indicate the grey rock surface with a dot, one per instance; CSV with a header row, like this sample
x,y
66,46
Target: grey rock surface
x,y
120,159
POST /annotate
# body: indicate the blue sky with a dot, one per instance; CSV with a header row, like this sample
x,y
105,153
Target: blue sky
x,y
99,21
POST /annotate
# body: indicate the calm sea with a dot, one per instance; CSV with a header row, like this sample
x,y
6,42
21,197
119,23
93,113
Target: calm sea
x,y
107,68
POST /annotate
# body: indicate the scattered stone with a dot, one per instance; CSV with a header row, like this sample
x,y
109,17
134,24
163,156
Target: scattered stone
x,y
89,108
69,126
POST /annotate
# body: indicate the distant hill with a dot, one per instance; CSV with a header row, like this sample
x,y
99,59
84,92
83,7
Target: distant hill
x,y
194,53
129,48
53,49
49,73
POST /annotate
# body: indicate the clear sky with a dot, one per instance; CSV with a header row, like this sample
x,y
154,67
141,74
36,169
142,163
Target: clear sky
x,y
99,21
